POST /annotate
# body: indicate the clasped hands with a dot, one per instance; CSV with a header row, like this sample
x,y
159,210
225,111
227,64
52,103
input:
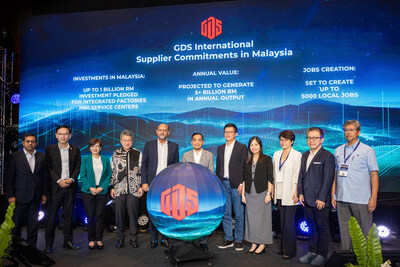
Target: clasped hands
x,y
64,183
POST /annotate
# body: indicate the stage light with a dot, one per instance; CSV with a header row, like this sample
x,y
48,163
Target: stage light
x,y
86,220
303,227
383,231
40,216
143,220
15,99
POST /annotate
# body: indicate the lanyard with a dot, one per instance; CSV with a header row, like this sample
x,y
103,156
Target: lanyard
x,y
280,160
345,159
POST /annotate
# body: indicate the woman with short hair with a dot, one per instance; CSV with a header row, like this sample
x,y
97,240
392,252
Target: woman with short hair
x,y
95,177
286,172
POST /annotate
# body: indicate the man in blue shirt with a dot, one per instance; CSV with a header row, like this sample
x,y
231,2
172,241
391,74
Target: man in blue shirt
x,y
356,183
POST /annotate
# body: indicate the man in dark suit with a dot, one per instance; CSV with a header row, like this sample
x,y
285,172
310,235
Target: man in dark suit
x,y
157,155
63,165
26,186
231,158
314,186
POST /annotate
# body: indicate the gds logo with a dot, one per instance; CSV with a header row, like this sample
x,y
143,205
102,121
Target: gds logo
x,y
179,202
211,28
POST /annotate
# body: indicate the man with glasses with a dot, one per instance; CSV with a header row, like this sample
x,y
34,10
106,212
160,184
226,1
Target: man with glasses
x,y
356,183
231,158
63,166
26,186
314,187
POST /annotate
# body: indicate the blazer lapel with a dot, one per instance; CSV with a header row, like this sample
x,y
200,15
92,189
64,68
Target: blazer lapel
x,y
155,148
25,161
70,160
36,163
57,158
304,161
316,157
203,158
169,152
103,162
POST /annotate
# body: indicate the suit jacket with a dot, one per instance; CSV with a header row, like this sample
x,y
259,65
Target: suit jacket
x,y
150,159
290,173
207,159
316,182
53,160
263,174
21,183
87,174
236,164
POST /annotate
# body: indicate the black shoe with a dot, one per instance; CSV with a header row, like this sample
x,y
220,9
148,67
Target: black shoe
x,y
70,245
285,257
152,244
165,243
119,244
48,250
238,246
226,244
204,247
92,247
99,246
133,243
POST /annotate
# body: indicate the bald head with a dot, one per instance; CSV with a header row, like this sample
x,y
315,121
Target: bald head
x,y
162,132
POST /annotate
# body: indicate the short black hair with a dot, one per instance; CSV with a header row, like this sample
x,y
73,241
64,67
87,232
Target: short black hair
x,y
63,126
321,132
287,134
202,137
231,125
29,134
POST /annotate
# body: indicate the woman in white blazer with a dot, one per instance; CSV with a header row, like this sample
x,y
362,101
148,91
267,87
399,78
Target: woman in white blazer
x,y
286,165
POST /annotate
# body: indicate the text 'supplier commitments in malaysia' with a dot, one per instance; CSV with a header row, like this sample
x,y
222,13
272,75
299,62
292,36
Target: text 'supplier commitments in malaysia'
x,y
227,91
330,88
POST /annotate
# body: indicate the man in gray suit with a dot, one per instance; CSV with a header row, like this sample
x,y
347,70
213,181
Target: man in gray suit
x,y
203,157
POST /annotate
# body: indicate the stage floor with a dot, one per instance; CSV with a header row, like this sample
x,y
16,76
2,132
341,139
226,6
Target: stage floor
x,y
127,256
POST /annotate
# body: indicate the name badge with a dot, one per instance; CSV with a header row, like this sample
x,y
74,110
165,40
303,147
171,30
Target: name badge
x,y
343,170
279,177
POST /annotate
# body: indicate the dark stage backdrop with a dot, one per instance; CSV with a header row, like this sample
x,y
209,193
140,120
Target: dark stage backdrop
x,y
264,65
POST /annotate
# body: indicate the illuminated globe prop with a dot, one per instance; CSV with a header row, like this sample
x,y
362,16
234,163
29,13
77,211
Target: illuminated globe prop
x,y
186,201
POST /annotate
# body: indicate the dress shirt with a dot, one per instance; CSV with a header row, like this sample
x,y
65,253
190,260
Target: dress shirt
x,y
162,150
31,159
311,156
356,186
197,156
64,162
97,169
227,158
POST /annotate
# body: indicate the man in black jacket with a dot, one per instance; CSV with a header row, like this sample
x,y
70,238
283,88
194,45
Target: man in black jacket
x,y
231,158
63,165
314,187
26,186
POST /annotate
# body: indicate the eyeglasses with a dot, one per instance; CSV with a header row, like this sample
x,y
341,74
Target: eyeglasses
x,y
313,138
349,130
30,141
229,132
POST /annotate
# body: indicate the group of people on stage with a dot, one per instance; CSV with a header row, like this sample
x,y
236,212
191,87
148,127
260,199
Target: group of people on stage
x,y
252,181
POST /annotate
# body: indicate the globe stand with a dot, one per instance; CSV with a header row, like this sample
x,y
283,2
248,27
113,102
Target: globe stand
x,y
187,252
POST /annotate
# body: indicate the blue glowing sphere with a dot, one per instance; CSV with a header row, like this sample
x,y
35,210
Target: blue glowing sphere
x,y
186,201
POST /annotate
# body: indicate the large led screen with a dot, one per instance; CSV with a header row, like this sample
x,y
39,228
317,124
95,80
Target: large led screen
x,y
266,66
